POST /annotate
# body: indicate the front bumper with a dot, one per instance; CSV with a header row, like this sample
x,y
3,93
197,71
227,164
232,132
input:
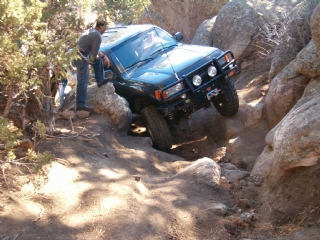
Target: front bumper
x,y
197,96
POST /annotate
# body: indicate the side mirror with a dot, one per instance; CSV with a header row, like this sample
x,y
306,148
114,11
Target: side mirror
x,y
178,36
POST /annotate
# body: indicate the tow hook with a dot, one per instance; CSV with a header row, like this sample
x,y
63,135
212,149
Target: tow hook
x,y
213,93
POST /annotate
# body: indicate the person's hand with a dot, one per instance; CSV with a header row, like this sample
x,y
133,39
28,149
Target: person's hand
x,y
106,62
100,54
104,58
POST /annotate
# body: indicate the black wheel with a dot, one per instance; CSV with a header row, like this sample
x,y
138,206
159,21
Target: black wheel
x,y
227,102
157,128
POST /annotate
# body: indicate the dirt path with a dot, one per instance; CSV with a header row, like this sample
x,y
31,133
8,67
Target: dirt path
x,y
111,186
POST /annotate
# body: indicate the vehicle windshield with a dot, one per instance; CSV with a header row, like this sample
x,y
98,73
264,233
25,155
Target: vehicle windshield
x,y
141,48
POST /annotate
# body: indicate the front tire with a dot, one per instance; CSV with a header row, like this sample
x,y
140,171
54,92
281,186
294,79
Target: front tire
x,y
227,102
157,128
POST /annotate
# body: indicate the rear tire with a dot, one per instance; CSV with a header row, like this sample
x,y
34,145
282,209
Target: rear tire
x,y
227,102
157,128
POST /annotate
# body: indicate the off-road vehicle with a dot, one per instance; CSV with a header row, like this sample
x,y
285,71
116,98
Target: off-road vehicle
x,y
166,80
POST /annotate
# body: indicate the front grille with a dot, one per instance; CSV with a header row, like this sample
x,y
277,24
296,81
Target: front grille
x,y
197,94
203,73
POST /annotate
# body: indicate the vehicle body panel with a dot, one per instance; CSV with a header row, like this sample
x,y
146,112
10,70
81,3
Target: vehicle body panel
x,y
138,77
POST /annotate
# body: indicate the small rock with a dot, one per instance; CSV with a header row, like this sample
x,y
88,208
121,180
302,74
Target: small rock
x,y
66,114
228,166
137,178
235,175
223,180
219,209
250,216
243,216
243,183
244,203
82,114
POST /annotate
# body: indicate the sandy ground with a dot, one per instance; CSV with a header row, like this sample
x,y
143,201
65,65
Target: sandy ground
x,y
107,185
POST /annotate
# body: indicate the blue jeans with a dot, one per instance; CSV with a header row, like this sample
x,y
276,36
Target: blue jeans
x,y
83,78
62,87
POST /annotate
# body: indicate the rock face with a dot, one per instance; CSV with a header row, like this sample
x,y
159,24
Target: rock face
x,y
285,90
287,87
292,35
308,62
290,162
235,26
181,16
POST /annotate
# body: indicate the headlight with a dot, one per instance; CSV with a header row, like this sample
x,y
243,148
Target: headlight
x,y
176,88
196,80
171,91
212,71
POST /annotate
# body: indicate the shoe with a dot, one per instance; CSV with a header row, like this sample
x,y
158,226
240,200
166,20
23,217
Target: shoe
x,y
103,82
85,108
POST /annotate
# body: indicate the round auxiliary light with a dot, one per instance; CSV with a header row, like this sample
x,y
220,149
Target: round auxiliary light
x,y
212,71
196,80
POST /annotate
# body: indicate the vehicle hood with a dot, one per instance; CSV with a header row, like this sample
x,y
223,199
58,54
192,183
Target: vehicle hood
x,y
173,60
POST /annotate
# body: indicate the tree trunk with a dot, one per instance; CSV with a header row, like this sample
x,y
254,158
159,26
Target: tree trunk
x,y
9,101
46,98
35,112
45,109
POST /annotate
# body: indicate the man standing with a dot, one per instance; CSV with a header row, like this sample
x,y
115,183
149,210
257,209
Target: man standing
x,y
89,44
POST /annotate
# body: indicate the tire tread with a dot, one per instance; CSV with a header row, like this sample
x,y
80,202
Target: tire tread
x,y
161,135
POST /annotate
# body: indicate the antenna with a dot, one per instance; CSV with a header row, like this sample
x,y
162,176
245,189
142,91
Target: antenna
x,y
155,29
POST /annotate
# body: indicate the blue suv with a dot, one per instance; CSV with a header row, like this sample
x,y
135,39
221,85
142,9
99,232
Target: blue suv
x,y
166,80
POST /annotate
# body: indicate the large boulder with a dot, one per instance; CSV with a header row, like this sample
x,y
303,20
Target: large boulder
x,y
106,101
290,34
285,90
203,33
308,62
290,162
288,86
235,26
181,16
